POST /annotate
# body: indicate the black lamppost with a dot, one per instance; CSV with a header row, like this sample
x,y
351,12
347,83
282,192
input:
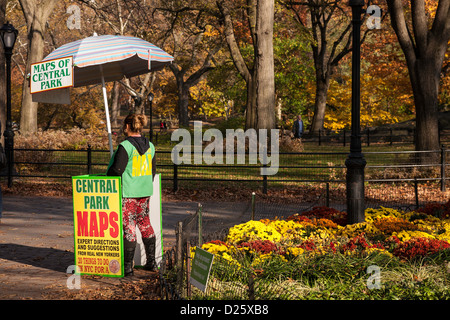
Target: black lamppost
x,y
8,34
150,99
355,162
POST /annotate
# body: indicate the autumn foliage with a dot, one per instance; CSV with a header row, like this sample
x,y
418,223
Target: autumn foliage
x,y
194,29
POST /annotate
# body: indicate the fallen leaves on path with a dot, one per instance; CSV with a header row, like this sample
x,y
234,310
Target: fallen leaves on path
x,y
129,288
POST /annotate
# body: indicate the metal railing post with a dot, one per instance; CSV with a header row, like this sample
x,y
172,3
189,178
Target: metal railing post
x,y
443,164
264,181
200,225
175,171
89,159
175,177
253,206
416,192
328,194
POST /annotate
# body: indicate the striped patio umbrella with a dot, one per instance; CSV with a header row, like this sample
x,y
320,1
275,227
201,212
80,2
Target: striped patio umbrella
x,y
100,59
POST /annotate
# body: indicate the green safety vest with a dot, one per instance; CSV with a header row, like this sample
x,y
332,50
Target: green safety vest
x,y
137,179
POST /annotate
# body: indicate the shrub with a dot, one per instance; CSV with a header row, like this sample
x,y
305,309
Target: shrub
x,y
260,246
338,217
441,211
419,247
58,139
389,225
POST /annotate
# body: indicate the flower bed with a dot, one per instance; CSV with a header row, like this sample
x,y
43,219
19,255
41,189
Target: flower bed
x,y
318,250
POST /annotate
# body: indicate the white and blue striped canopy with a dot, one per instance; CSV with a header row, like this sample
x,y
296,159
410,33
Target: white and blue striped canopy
x,y
119,56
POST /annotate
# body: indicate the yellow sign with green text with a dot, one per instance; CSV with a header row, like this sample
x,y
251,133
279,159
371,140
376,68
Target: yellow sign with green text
x,y
97,207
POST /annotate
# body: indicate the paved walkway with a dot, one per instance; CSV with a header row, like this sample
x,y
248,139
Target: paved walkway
x,y
36,241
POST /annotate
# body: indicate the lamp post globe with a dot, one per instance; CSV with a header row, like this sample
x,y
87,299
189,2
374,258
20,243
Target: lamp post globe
x,y
8,35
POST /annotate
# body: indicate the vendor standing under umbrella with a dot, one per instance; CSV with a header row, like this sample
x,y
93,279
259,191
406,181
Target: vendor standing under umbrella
x,y
134,161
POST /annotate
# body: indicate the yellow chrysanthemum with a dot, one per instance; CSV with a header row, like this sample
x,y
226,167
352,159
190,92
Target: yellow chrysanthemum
x,y
295,251
406,235
289,230
252,230
380,251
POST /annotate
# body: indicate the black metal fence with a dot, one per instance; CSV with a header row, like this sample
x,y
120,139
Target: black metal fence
x,y
370,136
302,167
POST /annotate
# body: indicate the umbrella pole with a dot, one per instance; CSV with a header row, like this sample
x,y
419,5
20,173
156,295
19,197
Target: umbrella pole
x,y
108,122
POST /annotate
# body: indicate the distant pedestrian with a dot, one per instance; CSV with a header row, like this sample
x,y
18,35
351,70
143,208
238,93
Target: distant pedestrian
x,y
161,126
298,127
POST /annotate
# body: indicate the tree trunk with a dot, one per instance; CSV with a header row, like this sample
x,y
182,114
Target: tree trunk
x,y
250,114
260,78
183,105
320,104
424,55
264,66
184,87
247,73
28,113
425,83
36,14
115,105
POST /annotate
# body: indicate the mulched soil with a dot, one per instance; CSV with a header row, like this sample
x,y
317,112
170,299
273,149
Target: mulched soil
x,y
143,285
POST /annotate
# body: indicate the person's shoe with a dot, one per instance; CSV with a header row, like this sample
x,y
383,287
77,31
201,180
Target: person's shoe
x,y
149,245
128,257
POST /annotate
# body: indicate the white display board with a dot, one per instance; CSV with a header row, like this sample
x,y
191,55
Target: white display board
x,y
156,222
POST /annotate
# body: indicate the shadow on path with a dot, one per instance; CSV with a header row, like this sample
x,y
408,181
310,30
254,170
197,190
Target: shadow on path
x,y
48,258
